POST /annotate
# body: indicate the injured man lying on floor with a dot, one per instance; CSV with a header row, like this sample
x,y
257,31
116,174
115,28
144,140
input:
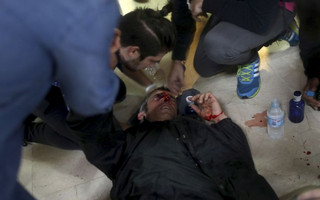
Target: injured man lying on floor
x,y
166,155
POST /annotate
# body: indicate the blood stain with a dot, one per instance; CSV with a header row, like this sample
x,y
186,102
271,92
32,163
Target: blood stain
x,y
258,120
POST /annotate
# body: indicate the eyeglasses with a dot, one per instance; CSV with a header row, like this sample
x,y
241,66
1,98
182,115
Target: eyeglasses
x,y
165,95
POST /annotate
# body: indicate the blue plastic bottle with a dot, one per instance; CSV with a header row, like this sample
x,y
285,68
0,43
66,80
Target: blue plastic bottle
x,y
296,108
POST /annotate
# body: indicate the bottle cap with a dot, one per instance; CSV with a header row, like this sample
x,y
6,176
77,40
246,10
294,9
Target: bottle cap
x,y
297,96
275,103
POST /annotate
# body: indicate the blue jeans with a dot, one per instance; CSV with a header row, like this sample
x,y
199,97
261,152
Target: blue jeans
x,y
42,41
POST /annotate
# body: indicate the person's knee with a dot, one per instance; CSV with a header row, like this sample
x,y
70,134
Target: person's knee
x,y
220,51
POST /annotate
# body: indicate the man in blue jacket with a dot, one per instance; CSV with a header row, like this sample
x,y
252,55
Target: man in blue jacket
x,y
42,41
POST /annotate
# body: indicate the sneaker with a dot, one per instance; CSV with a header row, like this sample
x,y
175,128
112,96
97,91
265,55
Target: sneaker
x,y
248,80
292,34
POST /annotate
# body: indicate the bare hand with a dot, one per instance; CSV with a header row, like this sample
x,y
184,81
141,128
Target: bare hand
x,y
310,195
196,10
176,77
207,105
312,85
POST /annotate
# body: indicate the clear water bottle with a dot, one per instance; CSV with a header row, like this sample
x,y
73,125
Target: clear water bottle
x,y
275,120
156,74
296,108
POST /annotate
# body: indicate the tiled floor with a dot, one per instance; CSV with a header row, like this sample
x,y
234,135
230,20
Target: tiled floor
x,y
53,174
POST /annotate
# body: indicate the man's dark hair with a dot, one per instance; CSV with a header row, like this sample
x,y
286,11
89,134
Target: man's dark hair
x,y
149,30
309,15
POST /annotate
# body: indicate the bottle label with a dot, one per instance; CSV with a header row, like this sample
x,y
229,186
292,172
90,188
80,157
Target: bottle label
x,y
275,122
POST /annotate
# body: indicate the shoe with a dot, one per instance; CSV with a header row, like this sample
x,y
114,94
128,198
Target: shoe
x,y
248,80
292,34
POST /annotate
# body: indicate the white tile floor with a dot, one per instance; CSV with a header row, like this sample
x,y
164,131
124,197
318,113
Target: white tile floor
x,y
54,174
285,162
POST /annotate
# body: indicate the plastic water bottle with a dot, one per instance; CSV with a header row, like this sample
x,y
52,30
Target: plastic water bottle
x,y
275,120
156,74
296,108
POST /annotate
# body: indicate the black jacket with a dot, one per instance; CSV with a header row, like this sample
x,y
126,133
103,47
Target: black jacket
x,y
185,26
179,159
310,54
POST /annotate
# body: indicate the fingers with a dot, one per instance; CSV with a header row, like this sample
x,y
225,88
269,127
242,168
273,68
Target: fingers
x,y
175,89
196,109
196,9
310,87
196,18
203,97
175,86
313,103
308,195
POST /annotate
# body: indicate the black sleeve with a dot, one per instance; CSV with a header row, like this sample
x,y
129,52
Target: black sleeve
x,y
310,54
228,127
185,26
101,139
235,137
254,15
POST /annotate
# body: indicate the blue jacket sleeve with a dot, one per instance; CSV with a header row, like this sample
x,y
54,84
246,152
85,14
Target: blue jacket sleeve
x,y
82,59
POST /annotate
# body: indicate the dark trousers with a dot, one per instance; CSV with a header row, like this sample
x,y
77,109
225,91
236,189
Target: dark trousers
x,y
223,44
53,129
